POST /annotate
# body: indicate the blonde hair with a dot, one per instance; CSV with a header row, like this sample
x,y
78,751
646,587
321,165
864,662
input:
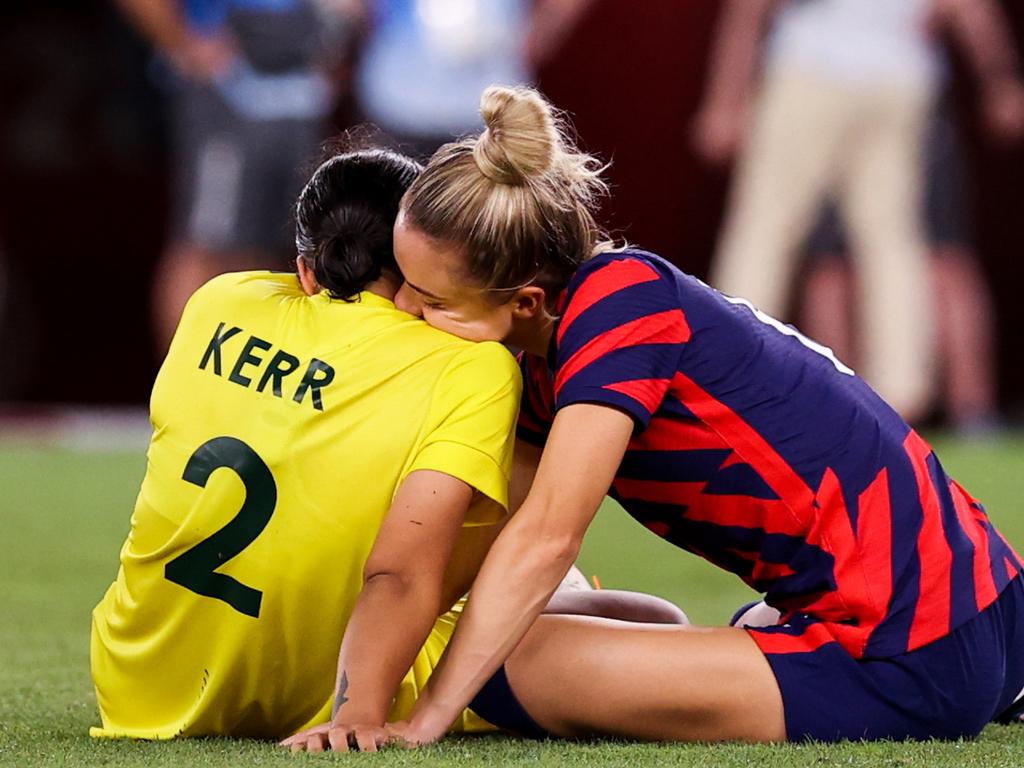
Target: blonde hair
x,y
519,199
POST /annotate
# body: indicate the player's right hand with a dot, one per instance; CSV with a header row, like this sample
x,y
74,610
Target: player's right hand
x,y
338,738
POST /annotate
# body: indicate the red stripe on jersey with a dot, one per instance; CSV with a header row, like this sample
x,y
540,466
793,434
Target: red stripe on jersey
x,y
668,327
984,584
769,571
603,283
647,392
874,539
931,616
526,420
659,491
811,639
739,511
671,434
658,528
746,441
1011,567
833,532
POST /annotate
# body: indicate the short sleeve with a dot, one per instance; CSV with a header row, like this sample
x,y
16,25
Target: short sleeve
x,y
620,337
536,410
470,428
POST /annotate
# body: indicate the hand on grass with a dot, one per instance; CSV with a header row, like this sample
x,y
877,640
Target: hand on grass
x,y
408,735
338,738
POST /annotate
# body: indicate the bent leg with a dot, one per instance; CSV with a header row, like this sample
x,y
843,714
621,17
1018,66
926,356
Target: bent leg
x,y
616,604
579,676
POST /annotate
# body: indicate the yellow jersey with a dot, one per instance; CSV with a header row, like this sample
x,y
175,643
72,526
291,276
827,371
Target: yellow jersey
x,y
283,425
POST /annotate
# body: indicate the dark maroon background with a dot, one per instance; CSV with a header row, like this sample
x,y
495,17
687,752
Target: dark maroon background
x,y
83,180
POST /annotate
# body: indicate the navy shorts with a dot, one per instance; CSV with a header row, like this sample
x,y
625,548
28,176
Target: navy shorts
x,y
948,689
497,704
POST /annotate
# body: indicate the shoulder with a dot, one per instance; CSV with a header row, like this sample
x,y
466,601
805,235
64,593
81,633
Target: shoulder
x,y
612,271
241,287
486,364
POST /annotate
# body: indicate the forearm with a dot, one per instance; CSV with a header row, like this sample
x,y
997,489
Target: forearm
x,y
736,52
980,27
391,621
160,21
516,581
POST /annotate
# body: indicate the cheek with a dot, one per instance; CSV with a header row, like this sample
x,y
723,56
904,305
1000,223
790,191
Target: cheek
x,y
488,327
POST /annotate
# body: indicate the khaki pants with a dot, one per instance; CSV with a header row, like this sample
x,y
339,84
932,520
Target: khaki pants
x,y
811,138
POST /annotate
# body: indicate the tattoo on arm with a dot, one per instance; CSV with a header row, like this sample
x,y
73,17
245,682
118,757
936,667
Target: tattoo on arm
x,y
340,697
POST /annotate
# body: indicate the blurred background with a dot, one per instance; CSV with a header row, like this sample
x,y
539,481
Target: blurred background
x,y
851,166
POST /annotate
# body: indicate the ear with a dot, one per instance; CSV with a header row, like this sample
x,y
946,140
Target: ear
x,y
528,302
306,277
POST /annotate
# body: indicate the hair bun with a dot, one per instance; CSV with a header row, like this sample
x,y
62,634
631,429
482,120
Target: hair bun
x,y
521,137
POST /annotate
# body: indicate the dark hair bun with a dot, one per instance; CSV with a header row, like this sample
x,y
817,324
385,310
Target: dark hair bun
x,y
344,218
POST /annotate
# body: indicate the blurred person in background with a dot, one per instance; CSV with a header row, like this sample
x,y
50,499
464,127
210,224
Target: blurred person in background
x,y
426,61
250,103
964,326
841,110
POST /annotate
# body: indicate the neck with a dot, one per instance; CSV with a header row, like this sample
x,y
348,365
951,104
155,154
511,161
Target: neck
x,y
533,335
386,286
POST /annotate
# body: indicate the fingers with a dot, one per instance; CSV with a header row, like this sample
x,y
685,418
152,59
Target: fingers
x,y
339,738
298,742
367,739
315,743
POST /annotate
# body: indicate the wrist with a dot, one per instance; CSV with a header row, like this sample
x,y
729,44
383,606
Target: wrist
x,y
430,721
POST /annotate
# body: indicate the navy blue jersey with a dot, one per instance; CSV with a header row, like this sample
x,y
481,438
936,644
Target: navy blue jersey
x,y
759,451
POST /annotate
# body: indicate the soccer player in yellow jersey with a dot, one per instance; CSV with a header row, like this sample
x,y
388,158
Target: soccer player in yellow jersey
x,y
322,466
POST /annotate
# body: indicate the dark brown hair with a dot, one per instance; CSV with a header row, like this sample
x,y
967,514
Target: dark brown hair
x,y
345,216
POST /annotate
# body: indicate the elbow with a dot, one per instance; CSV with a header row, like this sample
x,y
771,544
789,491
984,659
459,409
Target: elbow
x,y
404,590
550,551
394,583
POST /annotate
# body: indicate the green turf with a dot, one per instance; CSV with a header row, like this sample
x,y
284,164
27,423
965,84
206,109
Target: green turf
x,y
64,515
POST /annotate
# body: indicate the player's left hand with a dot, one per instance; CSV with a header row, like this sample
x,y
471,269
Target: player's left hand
x,y
338,738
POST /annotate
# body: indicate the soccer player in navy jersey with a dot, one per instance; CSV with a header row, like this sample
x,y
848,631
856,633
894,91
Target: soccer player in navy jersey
x,y
901,608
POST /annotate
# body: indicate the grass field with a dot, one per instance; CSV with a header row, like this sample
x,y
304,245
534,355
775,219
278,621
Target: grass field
x,y
65,513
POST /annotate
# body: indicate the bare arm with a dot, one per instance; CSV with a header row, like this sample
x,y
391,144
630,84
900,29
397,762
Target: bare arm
x,y
718,128
160,21
551,22
403,585
163,23
982,30
525,462
529,558
404,591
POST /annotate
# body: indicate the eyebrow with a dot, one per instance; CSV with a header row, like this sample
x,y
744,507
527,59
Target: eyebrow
x,y
420,290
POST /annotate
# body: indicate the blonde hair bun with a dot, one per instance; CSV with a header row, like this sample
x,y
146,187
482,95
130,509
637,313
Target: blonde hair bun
x,y
521,139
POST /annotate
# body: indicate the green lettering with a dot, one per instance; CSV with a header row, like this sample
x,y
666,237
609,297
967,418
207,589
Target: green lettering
x,y
213,349
281,364
247,358
314,383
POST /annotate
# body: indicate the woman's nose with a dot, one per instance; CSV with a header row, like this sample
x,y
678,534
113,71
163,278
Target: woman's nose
x,y
407,301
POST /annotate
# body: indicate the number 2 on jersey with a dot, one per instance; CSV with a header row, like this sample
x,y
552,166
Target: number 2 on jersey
x,y
195,569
